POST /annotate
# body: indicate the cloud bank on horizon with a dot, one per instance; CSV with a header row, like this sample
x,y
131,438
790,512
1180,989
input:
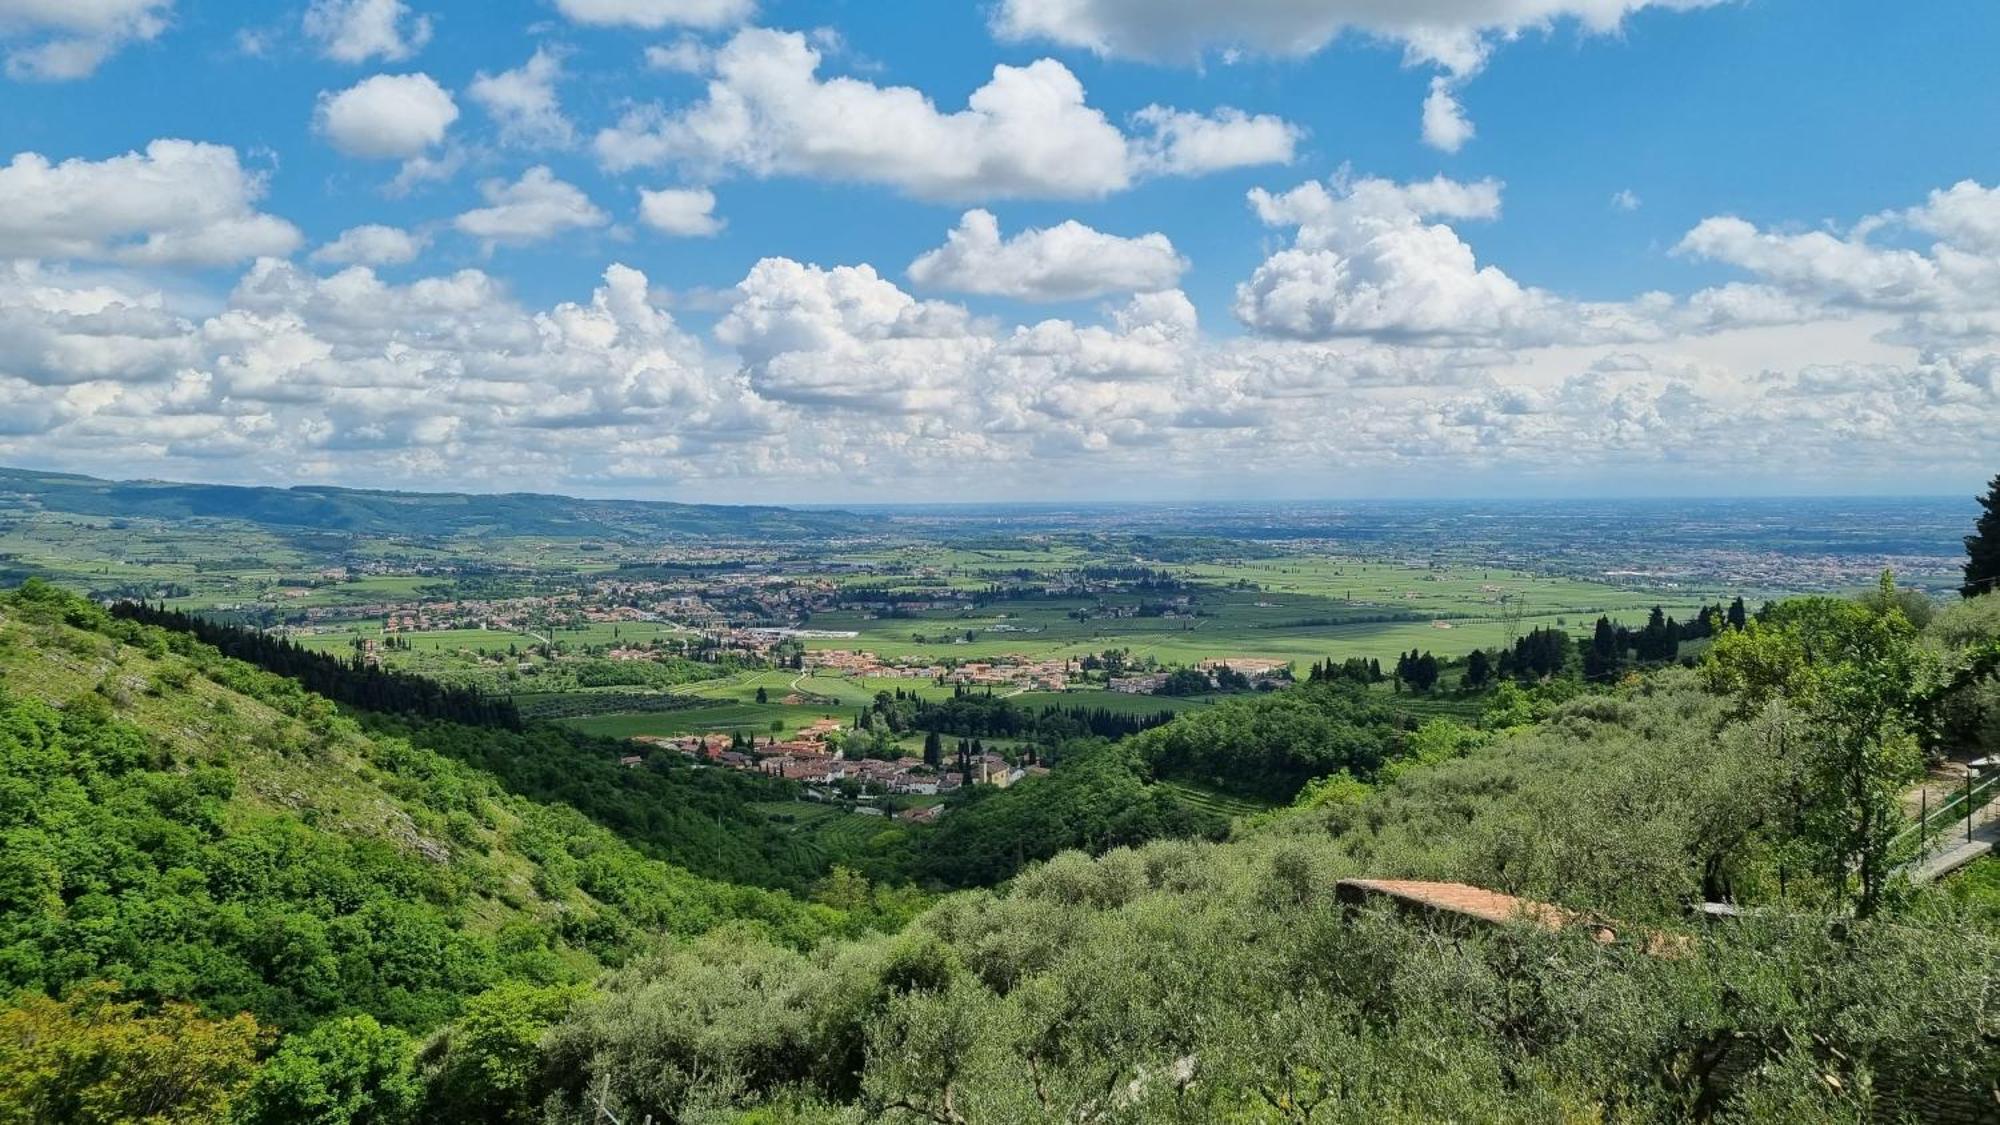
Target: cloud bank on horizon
x,y
719,250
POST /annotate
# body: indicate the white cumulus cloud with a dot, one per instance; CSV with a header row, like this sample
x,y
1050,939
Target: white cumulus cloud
x,y
1180,143
684,212
176,203
1840,355
389,115
355,31
532,208
1027,133
1456,36
523,101
651,15
1366,261
1445,126
54,40
1066,262
372,245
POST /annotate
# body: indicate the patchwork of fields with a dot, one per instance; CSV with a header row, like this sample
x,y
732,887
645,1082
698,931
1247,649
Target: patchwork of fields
x,y
1293,607
1038,598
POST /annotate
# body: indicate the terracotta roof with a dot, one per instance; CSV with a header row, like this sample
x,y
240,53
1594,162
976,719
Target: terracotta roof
x,y
1493,908
1460,898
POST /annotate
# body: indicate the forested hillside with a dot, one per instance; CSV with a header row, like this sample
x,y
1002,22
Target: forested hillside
x,y
216,885
376,512
698,819
179,826
1188,981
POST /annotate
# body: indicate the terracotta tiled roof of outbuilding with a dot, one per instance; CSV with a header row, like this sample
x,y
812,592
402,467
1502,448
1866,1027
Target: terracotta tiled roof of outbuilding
x,y
1463,899
1493,908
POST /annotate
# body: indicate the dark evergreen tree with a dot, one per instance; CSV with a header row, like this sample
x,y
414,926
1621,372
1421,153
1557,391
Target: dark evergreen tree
x,y
354,682
1660,639
1606,652
1478,669
1982,547
1738,615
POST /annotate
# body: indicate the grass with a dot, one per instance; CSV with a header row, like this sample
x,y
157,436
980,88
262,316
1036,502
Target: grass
x,y
750,718
1295,608
1222,804
338,638
819,833
1466,709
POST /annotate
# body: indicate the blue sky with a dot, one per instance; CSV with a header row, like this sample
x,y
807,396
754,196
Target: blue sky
x,y
1721,247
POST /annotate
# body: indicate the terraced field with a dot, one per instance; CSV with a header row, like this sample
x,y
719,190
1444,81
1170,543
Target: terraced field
x,y
821,833
1222,804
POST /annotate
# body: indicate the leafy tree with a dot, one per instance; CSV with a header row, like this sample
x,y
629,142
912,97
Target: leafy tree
x,y
1859,683
1914,605
1101,796
94,1059
1270,746
1186,681
488,1068
349,1071
1982,547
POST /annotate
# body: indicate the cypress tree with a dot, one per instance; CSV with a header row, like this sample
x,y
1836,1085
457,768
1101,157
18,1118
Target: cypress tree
x,y
1982,547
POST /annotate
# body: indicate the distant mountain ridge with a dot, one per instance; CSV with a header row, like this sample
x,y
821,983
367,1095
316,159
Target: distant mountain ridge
x,y
382,512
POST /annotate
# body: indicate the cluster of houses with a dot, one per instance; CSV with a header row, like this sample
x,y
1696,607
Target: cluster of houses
x,y
812,758
1260,673
1014,671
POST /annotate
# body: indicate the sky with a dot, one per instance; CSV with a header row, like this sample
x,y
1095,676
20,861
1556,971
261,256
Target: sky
x,y
1014,250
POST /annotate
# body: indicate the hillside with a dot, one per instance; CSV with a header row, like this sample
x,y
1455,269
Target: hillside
x,y
437,950
372,512
198,829
1197,982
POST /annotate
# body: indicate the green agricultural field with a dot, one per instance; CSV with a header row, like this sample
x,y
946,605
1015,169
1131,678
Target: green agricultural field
x,y
1223,804
1291,607
342,638
822,833
333,638
1225,635
750,718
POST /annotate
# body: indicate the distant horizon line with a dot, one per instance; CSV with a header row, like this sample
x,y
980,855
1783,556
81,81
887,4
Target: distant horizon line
x,y
836,505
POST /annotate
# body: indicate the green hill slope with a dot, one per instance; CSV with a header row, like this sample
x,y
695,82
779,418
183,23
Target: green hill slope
x,y
199,829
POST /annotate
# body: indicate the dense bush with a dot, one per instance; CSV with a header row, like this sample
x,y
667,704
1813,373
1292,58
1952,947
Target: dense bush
x,y
1100,797
1272,745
